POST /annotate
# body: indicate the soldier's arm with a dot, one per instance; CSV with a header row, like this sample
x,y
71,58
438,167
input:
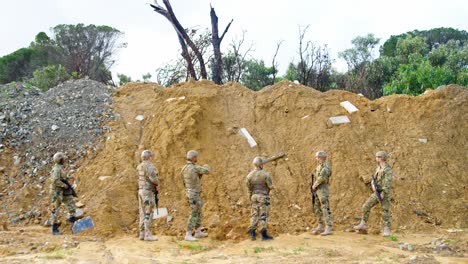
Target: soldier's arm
x,y
205,169
387,181
153,175
56,179
322,177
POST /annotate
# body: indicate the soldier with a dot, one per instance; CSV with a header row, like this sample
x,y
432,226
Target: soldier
x,y
383,179
259,184
192,174
320,188
61,193
148,183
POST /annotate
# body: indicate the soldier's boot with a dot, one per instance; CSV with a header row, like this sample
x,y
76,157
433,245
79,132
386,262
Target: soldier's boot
x,y
189,237
386,231
55,230
149,236
253,234
328,231
199,233
361,226
142,235
317,230
72,220
265,235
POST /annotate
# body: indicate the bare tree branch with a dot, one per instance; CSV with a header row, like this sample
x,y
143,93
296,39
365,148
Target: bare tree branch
x,y
216,41
274,64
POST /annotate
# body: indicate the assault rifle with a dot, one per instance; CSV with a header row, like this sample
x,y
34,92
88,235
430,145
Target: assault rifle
x,y
275,157
312,190
156,199
376,187
69,190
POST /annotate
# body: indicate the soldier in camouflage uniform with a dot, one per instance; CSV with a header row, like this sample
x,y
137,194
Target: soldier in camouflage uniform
x,y
60,193
148,183
259,184
320,188
383,176
192,174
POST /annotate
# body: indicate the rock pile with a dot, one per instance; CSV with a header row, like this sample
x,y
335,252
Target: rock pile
x,y
34,125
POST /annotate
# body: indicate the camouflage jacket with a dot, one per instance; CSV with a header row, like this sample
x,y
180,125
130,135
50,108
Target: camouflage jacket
x,y
259,182
147,176
191,174
322,174
57,175
384,178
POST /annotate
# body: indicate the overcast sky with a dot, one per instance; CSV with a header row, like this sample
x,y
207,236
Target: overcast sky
x,y
152,41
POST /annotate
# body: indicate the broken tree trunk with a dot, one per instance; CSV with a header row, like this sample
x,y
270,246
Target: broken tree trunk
x,y
180,35
216,40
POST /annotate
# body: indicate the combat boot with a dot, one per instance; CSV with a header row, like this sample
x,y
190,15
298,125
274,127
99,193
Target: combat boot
x,y
328,231
189,237
361,226
317,230
199,233
55,230
149,236
265,235
386,231
253,234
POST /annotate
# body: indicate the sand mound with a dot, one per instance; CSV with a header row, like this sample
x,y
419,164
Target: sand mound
x,y
430,178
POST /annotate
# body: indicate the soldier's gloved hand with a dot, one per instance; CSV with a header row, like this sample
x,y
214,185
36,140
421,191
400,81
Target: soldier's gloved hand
x,y
206,166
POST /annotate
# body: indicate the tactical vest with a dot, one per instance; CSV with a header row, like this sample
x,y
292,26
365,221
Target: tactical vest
x,y
192,181
258,183
144,182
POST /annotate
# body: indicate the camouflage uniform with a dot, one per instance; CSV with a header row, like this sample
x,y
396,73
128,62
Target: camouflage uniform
x,y
59,194
321,205
192,174
384,181
147,182
259,184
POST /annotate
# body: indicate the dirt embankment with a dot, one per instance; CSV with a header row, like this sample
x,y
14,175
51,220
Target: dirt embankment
x,y
430,179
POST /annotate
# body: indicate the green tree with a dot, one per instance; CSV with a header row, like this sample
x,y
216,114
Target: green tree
x,y
123,79
146,77
88,50
257,75
49,77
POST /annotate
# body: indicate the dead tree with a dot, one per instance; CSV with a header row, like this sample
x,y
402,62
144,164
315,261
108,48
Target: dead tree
x,y
274,63
184,38
216,40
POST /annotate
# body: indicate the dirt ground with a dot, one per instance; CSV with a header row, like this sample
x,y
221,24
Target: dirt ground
x,y
35,244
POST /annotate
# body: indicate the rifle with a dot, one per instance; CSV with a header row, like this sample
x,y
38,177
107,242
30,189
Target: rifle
x,y
275,157
69,190
312,190
156,199
378,191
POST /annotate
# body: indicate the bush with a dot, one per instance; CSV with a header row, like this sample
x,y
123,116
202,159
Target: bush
x,y
49,77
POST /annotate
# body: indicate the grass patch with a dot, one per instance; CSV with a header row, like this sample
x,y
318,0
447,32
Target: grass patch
x,y
298,250
393,238
450,241
57,254
194,246
262,249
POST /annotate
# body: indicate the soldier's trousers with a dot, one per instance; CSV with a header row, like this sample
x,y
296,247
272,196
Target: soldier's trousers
x,y
260,206
195,217
58,199
371,202
322,206
146,204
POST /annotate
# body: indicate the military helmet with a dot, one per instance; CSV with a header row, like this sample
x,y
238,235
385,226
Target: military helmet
x,y
58,157
321,154
257,161
146,154
381,154
192,154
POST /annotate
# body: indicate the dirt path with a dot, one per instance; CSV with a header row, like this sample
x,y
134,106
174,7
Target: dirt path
x,y
36,245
